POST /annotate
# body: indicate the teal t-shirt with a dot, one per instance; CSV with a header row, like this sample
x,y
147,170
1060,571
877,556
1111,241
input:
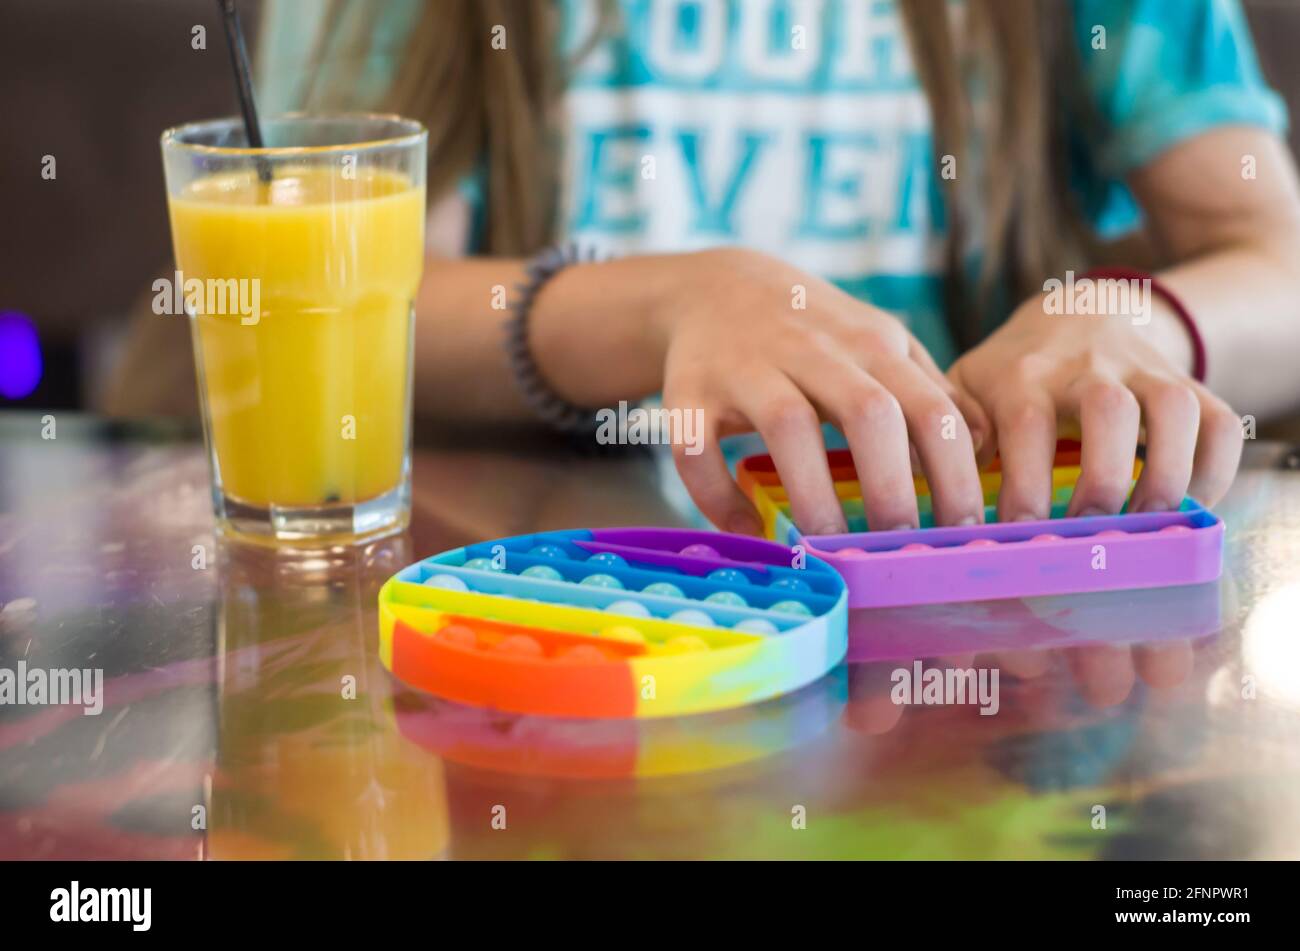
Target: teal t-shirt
x,y
800,128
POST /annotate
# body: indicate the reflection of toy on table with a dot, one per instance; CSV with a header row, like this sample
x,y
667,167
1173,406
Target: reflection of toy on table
x,y
618,749
1185,612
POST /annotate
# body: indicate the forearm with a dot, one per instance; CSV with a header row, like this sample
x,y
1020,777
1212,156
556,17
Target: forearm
x,y
1246,302
590,330
1234,246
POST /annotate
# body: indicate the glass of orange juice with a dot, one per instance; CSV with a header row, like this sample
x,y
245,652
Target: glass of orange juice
x,y
298,264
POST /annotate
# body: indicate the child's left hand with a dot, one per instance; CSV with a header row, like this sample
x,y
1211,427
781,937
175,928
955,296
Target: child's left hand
x,y
1114,380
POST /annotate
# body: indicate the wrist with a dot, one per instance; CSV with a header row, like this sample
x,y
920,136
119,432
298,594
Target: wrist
x,y
1163,307
1155,319
609,306
681,282
670,286
1169,335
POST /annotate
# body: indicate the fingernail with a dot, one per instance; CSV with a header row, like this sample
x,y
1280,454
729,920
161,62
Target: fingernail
x,y
831,529
968,520
1155,505
1091,511
902,527
1027,517
743,523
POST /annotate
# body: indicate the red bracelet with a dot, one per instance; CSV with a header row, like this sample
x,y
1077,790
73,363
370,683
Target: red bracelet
x,y
1184,315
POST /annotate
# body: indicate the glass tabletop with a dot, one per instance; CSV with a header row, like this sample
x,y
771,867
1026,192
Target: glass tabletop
x,y
244,712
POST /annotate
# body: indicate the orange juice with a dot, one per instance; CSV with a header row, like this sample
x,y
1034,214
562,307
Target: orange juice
x,y
308,398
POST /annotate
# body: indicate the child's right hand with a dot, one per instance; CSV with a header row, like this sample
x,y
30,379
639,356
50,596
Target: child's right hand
x,y
738,346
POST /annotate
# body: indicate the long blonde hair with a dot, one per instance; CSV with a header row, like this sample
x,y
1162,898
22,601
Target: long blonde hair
x,y
482,106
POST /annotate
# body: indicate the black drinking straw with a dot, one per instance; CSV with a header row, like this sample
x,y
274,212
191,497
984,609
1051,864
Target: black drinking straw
x,y
243,81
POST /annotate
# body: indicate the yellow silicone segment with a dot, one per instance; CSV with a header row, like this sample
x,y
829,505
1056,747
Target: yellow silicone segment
x,y
427,603
422,619
852,491
767,508
386,636
667,685
771,499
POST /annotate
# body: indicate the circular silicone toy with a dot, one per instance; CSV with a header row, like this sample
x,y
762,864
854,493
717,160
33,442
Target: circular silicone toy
x,y
528,642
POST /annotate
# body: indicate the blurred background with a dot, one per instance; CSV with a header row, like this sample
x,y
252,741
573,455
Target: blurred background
x,y
93,84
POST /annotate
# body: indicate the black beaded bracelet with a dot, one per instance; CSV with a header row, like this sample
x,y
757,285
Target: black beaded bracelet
x,y
540,397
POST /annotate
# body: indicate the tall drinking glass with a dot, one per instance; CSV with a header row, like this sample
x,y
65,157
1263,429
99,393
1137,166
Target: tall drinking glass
x,y
298,264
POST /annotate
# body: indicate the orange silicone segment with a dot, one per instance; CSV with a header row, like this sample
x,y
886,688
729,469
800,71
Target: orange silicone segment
x,y
486,675
491,633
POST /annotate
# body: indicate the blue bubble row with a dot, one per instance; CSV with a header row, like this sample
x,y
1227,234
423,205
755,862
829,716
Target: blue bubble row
x,y
552,570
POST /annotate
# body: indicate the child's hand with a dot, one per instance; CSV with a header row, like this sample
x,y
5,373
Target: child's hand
x,y
759,345
1112,378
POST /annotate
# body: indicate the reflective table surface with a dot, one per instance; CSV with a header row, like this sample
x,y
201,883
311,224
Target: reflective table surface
x,y
245,714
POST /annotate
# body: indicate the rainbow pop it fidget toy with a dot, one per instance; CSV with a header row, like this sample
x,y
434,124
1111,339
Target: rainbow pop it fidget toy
x,y
626,622
1059,555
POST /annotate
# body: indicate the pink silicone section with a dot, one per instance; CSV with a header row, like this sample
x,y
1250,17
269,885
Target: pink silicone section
x,y
1025,559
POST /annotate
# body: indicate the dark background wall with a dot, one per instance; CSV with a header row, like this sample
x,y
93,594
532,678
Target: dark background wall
x,y
93,83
